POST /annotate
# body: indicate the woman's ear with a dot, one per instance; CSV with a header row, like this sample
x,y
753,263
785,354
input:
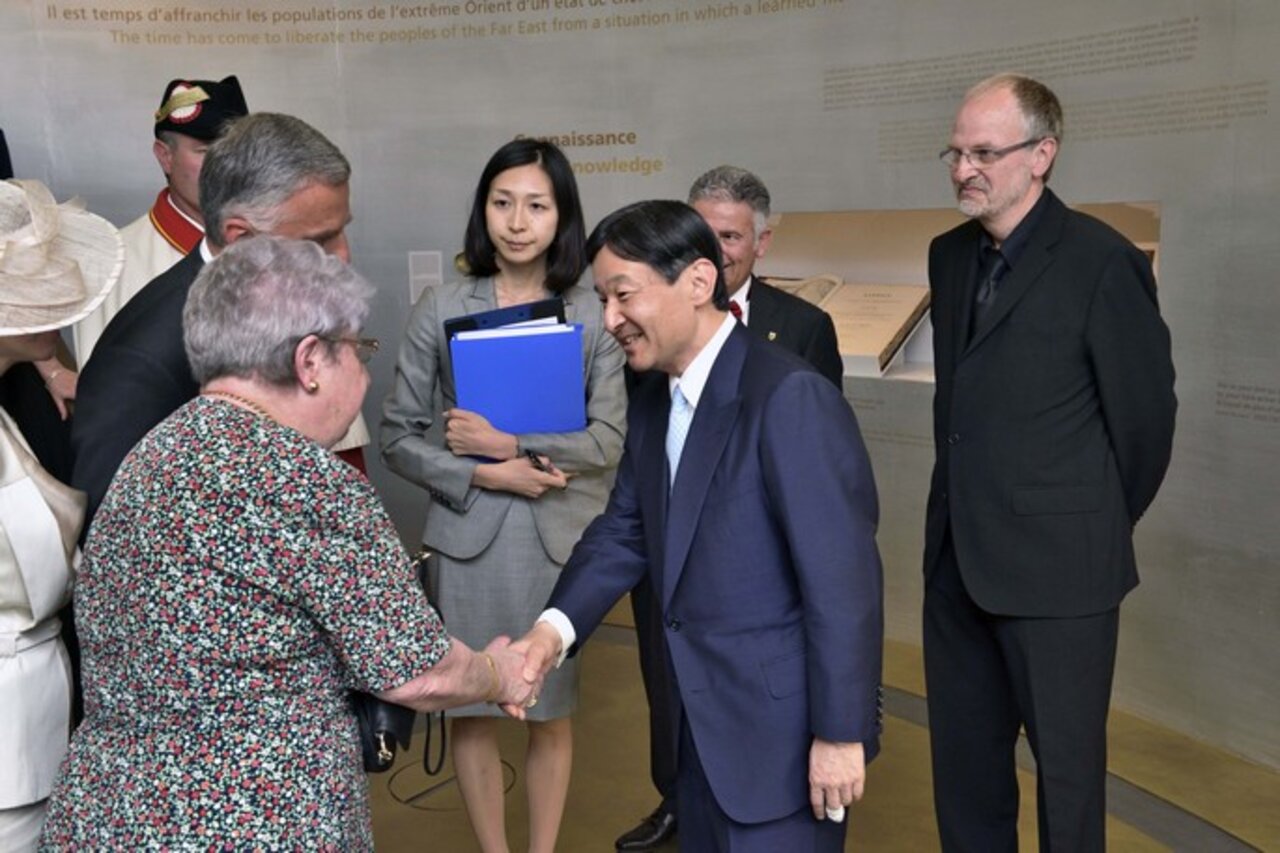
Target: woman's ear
x,y
308,357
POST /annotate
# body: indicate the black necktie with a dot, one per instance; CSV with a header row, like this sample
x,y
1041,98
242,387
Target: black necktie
x,y
993,269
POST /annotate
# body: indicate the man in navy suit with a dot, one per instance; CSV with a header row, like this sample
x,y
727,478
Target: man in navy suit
x,y
745,495
1053,424
736,204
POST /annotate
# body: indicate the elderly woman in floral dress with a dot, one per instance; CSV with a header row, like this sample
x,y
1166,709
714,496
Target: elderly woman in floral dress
x,y
239,579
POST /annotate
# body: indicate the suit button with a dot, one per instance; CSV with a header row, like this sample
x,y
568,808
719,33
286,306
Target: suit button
x,y
954,438
673,624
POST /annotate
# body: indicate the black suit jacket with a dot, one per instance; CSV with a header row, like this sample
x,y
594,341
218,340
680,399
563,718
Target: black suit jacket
x,y
797,325
137,376
1053,425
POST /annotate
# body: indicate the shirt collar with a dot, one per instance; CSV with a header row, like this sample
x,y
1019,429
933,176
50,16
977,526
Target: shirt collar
x,y
695,376
1016,242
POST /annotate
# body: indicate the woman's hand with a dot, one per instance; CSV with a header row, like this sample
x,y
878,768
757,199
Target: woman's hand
x,y
61,383
469,434
465,676
520,477
514,691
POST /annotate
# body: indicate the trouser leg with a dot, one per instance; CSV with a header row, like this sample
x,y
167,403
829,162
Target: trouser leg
x,y
1062,670
973,719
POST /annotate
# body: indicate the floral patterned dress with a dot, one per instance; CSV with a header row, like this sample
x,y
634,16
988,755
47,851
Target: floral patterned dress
x,y
238,579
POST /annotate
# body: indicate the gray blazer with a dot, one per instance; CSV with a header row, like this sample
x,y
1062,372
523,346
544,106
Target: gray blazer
x,y
463,519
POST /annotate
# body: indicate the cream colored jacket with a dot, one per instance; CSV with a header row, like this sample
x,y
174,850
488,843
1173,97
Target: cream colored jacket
x,y
39,521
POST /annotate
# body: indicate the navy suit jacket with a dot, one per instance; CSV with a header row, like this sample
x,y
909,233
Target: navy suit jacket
x,y
137,376
1053,423
763,557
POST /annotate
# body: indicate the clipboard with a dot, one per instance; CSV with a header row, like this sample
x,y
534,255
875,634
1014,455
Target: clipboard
x,y
548,310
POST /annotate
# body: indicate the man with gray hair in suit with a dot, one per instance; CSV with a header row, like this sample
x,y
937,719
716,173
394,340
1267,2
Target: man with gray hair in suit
x,y
736,204
268,173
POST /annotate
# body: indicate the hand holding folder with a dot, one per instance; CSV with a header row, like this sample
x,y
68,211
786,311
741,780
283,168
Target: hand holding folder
x,y
523,379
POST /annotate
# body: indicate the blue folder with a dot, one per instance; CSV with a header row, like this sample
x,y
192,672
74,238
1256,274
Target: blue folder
x,y
523,379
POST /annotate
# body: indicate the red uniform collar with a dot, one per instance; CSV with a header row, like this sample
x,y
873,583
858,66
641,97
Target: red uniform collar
x,y
175,228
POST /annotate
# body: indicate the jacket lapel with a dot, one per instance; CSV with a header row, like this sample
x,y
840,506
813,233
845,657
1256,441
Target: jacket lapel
x,y
763,321
712,425
960,288
482,297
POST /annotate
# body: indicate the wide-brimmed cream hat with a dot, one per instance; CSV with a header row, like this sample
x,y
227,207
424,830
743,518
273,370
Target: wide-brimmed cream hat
x,y
57,261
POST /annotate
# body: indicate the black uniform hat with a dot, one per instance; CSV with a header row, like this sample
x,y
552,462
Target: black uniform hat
x,y
198,108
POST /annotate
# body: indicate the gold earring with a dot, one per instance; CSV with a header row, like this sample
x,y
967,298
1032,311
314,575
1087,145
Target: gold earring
x,y
313,386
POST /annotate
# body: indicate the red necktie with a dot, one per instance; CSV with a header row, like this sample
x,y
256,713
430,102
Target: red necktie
x,y
735,309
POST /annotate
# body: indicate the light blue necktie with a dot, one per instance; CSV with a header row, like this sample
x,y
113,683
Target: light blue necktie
x,y
677,429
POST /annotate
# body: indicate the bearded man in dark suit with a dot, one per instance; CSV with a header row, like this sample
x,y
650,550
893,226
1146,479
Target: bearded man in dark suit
x,y
1053,426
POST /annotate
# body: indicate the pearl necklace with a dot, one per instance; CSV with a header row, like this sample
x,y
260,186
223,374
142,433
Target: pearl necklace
x,y
243,401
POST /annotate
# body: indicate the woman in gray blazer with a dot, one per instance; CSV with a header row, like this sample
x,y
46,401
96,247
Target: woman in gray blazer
x,y
500,530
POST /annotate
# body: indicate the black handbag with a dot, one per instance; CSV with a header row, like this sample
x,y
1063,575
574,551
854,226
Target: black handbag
x,y
385,725
431,767
382,726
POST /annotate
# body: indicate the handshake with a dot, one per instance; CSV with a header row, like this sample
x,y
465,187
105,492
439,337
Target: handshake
x,y
516,670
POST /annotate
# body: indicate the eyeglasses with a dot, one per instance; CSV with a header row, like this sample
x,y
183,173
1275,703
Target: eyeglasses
x,y
979,157
365,347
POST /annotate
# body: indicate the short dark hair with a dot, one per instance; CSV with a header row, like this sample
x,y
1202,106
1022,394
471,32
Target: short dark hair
x,y
565,258
665,235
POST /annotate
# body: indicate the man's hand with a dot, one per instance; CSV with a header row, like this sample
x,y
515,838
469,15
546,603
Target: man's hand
x,y
837,773
514,689
541,649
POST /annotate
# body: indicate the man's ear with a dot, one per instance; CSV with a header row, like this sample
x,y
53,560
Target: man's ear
x,y
163,156
702,275
1045,154
234,228
762,242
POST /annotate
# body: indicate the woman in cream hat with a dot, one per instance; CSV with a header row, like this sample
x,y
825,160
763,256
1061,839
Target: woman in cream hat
x,y
57,262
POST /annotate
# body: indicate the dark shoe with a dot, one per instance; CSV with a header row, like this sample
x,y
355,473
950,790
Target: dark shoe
x,y
653,831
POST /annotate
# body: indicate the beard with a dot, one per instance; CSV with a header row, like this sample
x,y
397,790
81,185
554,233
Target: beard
x,y
973,206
